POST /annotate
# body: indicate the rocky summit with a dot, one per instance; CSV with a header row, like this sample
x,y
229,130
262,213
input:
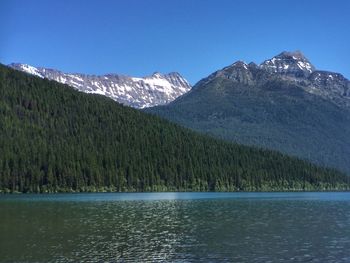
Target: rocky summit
x,y
289,63
296,67
292,67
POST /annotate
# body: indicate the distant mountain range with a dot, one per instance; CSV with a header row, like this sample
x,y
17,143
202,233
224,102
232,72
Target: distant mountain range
x,y
284,104
157,89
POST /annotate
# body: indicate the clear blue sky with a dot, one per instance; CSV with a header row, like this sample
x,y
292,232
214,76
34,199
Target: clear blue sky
x,y
193,37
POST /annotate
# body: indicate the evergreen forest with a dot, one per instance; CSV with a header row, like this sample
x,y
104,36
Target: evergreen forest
x,y
56,139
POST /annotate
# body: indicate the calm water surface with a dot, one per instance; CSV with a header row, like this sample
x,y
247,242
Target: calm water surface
x,y
175,227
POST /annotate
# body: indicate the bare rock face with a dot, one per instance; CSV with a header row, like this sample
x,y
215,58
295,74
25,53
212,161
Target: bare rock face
x,y
157,89
330,85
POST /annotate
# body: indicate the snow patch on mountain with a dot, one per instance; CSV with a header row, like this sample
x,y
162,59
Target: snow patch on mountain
x,y
289,63
31,70
288,66
157,89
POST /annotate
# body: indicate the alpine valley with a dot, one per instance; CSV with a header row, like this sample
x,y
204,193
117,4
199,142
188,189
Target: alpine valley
x,y
283,104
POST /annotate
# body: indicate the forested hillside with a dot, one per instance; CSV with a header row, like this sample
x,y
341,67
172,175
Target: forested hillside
x,y
251,106
53,138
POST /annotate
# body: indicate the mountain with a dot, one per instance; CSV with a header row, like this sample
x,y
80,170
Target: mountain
x,y
283,104
296,67
144,92
54,138
293,64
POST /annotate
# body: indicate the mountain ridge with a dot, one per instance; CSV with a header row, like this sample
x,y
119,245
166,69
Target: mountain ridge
x,y
137,92
290,66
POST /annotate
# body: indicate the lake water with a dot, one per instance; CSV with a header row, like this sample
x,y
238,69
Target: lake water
x,y
175,227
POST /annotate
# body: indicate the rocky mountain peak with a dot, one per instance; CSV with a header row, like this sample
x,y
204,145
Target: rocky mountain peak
x,y
238,71
240,64
291,67
296,54
174,74
293,64
157,75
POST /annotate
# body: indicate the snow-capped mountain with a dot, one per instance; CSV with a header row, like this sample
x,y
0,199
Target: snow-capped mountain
x,y
283,104
157,89
291,67
289,63
296,67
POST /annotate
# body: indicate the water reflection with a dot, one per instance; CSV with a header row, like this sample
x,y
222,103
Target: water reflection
x,y
197,230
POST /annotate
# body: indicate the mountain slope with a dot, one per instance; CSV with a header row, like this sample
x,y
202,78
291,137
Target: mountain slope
x,y
53,138
283,104
144,92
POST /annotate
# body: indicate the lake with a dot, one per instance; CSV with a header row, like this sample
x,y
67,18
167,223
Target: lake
x,y
175,227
